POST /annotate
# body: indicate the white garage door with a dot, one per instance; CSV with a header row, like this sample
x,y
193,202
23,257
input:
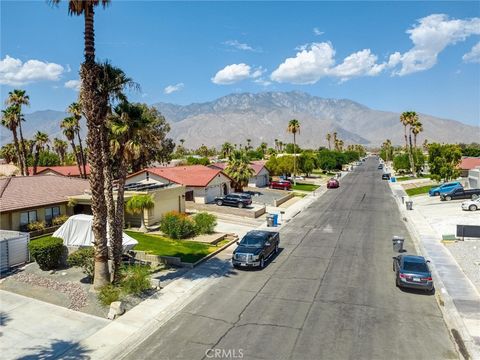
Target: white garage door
x,y
212,192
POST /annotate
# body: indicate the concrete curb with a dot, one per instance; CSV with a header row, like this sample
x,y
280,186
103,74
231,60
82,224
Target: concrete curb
x,y
219,250
451,316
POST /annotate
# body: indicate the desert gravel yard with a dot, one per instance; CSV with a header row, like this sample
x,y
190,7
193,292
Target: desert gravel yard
x,y
467,255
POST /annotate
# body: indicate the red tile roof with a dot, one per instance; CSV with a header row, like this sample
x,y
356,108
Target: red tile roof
x,y
21,192
69,170
193,175
469,163
257,165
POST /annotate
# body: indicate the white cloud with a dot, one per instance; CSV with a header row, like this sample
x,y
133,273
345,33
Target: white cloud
x,y
233,73
473,55
73,84
361,63
308,66
317,31
239,46
14,72
173,88
430,36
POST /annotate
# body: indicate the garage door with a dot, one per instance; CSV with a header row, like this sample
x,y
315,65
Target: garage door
x,y
212,192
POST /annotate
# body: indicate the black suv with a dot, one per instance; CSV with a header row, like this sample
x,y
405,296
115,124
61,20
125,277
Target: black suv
x,y
256,248
239,200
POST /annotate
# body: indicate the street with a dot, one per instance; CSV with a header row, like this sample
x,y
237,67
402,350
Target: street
x,y
329,294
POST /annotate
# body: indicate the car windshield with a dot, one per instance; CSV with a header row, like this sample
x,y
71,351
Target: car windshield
x,y
415,267
252,241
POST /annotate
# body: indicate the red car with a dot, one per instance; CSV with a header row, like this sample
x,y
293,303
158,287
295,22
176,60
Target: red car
x,y
333,184
281,184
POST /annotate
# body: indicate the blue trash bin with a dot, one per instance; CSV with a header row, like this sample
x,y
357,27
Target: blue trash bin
x,y
393,179
275,219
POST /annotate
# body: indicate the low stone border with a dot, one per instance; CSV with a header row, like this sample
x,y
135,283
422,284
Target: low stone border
x,y
190,205
277,203
220,249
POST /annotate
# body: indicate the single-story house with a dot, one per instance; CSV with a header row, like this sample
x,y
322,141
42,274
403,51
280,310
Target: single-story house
x,y
474,178
261,175
26,199
8,170
468,163
67,170
202,183
167,197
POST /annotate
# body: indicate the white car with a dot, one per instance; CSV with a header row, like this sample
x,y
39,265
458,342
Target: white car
x,y
471,205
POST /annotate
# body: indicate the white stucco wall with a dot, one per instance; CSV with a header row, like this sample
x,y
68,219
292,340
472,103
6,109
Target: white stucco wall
x,y
260,180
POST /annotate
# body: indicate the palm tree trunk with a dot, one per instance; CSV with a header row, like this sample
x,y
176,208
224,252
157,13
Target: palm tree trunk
x,y
75,152
22,147
17,149
294,160
410,156
35,160
82,155
89,35
117,245
415,140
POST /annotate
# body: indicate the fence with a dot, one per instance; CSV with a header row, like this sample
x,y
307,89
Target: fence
x,y
13,249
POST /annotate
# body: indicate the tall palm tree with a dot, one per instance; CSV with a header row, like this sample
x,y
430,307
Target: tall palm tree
x,y
329,137
248,144
425,145
95,107
416,129
41,139
9,120
182,141
408,118
239,169
276,144
18,98
263,147
60,147
227,149
294,128
69,126
75,109
9,153
280,146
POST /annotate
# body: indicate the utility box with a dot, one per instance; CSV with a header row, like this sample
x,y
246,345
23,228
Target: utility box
x,y
409,204
397,243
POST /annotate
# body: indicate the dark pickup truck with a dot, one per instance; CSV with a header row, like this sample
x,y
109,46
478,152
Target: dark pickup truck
x,y
460,193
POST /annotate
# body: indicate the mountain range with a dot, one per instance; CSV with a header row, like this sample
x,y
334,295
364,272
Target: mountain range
x,y
264,117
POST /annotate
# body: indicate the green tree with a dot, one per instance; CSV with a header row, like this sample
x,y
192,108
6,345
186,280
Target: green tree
x,y
137,204
75,110
443,160
60,146
70,128
294,129
239,169
227,149
41,139
272,165
10,121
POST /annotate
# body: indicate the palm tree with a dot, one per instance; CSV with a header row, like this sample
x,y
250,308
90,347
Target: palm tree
x,y
417,129
239,169
409,118
182,141
75,109
248,144
9,153
41,139
60,147
280,146
425,145
329,137
276,144
137,204
263,147
9,120
69,126
294,128
227,149
95,109
18,98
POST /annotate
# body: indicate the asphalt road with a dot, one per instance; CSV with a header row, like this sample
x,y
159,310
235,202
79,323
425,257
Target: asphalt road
x,y
330,294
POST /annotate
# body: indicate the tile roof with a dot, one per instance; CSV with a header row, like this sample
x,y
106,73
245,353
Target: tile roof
x,y
21,192
469,163
68,170
257,165
193,175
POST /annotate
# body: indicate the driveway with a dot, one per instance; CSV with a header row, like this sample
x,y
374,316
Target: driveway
x,y
265,196
32,329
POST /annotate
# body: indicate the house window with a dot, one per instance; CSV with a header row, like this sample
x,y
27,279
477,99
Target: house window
x,y
51,213
26,218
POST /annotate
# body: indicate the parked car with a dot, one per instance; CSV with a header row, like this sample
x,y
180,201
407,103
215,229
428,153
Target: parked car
x,y
386,176
444,188
471,205
460,193
333,184
281,184
255,248
412,272
234,199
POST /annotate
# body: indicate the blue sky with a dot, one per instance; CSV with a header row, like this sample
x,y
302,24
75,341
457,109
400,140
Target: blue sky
x,y
393,56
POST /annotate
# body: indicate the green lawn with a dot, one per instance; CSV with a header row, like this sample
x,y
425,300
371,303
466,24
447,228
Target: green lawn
x,y
188,251
418,190
305,187
405,178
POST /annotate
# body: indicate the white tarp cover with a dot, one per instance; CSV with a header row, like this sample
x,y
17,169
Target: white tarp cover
x,y
77,231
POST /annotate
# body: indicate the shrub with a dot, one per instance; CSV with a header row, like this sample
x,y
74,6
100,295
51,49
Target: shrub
x,y
108,294
135,279
59,220
36,225
204,223
84,258
46,252
176,225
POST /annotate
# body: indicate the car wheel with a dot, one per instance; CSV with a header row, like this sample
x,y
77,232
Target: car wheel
x,y
448,198
436,193
240,205
472,207
262,263
285,188
219,202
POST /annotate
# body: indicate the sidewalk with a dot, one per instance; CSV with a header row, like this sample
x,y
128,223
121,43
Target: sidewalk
x,y
458,298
